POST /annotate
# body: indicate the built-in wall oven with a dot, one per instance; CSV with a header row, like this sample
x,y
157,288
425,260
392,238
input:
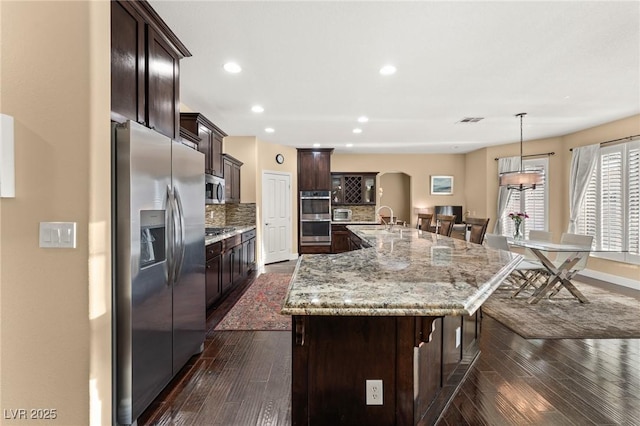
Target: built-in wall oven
x,y
315,218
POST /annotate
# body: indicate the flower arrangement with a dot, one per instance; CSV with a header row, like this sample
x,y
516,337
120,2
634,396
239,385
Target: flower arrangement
x,y
517,220
518,217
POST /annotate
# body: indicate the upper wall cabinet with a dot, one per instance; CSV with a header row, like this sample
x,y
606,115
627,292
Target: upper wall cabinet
x,y
145,68
353,188
231,179
210,140
314,169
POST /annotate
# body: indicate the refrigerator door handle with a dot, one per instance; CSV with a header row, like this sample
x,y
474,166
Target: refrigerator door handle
x,y
180,243
170,244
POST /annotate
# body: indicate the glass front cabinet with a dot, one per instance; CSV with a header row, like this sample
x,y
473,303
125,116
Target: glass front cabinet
x,y
351,188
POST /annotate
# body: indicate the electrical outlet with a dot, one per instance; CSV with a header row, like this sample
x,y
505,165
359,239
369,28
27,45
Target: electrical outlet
x,y
374,392
458,336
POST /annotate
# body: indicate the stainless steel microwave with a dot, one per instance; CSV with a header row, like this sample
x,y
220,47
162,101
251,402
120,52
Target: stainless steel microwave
x,y
342,214
213,189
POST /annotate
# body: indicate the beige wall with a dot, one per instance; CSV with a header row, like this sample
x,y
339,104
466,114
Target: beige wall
x,y
244,148
257,157
476,183
396,194
55,303
419,167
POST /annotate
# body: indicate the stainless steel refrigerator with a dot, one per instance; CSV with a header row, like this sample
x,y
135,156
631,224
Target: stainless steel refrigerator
x,y
159,288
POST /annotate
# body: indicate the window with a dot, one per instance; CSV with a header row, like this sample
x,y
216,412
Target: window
x,y
531,201
611,208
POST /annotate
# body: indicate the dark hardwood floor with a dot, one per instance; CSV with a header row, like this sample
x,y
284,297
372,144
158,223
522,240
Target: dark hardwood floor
x,y
244,378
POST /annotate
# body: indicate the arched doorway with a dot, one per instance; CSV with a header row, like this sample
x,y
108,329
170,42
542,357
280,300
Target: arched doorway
x,y
396,193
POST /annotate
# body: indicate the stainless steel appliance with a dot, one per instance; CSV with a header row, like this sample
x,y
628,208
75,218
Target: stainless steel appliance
x,y
214,189
160,264
315,205
342,215
315,218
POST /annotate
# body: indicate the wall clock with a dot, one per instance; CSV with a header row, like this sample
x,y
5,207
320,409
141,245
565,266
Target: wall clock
x,y
279,158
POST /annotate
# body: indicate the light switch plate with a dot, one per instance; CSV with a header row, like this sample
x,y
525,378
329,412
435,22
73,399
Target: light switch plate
x,y
58,234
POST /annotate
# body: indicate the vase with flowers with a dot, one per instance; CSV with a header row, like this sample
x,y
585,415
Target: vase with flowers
x,y
517,221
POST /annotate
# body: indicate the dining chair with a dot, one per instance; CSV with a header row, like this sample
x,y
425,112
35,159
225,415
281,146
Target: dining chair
x,y
446,224
578,240
388,219
477,229
527,273
424,221
574,239
537,235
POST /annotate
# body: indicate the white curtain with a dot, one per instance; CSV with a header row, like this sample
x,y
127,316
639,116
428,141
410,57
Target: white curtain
x,y
507,164
583,162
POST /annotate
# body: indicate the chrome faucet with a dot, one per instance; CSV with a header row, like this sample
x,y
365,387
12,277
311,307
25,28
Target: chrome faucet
x,y
390,224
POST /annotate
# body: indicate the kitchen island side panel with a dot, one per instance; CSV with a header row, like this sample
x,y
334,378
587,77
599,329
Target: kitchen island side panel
x,y
334,356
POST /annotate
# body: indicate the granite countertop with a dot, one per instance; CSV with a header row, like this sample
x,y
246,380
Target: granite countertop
x,y
355,222
405,272
238,230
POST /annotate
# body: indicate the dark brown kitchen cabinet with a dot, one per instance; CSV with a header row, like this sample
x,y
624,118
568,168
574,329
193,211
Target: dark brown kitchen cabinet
x,y
339,238
213,273
231,262
210,140
248,252
145,68
189,139
314,169
231,168
353,188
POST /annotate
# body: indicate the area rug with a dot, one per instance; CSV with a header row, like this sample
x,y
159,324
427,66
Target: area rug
x,y
607,315
259,307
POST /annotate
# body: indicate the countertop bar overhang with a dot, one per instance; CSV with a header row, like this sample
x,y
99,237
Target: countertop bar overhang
x,y
405,272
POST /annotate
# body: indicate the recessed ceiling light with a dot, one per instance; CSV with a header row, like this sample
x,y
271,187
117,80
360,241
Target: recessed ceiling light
x,y
257,108
232,68
349,145
357,130
316,145
363,119
269,130
388,70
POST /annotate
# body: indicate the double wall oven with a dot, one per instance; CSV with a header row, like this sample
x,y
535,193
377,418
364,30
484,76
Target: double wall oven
x,y
315,218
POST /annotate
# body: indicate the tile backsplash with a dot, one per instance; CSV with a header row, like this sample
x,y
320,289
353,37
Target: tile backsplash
x,y
215,215
366,213
218,215
240,214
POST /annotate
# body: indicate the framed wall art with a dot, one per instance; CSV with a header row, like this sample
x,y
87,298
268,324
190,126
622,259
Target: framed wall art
x,y
441,185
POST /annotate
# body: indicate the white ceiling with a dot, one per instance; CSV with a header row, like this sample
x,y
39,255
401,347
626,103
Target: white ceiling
x,y
313,66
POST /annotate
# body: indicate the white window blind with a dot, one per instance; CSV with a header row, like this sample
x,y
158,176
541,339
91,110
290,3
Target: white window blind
x,y
634,199
610,211
533,202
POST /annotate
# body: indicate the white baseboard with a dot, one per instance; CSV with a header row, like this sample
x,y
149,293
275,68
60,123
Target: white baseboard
x,y
613,279
294,256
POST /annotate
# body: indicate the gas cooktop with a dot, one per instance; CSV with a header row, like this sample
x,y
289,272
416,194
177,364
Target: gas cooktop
x,y
212,232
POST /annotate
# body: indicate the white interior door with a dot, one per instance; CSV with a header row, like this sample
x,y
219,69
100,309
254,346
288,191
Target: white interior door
x,y
276,216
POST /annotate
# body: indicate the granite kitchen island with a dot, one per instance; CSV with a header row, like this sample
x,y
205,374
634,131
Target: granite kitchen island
x,y
402,311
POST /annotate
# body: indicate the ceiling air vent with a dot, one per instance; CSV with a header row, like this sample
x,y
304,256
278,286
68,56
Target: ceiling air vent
x,y
471,119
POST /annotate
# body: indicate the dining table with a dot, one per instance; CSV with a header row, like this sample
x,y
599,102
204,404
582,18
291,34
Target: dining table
x,y
560,272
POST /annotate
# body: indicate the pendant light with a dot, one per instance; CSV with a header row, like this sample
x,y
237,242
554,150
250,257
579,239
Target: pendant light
x,y
521,180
